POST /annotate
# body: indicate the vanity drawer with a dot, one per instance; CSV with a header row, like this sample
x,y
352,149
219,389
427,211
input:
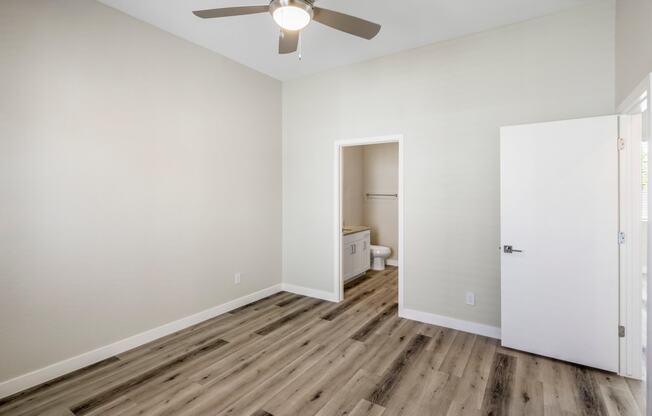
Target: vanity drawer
x,y
362,235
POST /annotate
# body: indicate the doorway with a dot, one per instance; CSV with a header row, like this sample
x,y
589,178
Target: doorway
x,y
357,232
634,248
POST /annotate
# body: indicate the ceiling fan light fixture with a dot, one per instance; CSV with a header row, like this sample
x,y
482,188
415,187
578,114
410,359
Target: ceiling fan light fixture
x,y
294,15
291,14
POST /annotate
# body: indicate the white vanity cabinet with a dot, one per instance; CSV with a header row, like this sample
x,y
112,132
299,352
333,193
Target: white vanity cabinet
x,y
355,254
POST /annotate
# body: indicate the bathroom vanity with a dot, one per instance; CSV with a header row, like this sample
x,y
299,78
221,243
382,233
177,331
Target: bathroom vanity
x,y
356,242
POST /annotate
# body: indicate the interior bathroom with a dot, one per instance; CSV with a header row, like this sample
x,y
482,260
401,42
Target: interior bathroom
x,y
369,211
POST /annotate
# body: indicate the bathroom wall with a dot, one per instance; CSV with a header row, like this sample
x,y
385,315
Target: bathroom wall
x,y
372,169
138,174
352,186
449,100
380,165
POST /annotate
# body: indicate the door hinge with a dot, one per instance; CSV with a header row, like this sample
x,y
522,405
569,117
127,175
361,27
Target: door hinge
x,y
621,238
621,143
621,331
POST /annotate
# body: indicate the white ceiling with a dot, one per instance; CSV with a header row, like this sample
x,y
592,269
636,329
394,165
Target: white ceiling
x,y
253,40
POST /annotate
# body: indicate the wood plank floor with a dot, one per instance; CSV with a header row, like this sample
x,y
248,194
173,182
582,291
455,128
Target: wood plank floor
x,y
292,355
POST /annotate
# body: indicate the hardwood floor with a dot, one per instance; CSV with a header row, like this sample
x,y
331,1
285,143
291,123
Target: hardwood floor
x,y
292,355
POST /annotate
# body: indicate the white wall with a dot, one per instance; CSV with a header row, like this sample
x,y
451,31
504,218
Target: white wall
x,y
380,162
138,173
633,45
449,100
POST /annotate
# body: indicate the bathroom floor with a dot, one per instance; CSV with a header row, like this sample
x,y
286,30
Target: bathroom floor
x,y
294,355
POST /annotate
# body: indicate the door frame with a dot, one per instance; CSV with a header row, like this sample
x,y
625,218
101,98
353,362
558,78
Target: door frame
x,y
337,210
630,254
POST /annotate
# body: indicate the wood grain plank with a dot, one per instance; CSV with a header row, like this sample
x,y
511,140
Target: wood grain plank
x,y
458,354
347,304
269,388
115,392
357,281
228,380
366,408
56,411
261,413
363,333
39,389
498,393
348,396
528,389
559,389
437,396
395,373
268,299
388,347
470,392
637,388
589,398
311,390
286,319
289,301
423,390
619,402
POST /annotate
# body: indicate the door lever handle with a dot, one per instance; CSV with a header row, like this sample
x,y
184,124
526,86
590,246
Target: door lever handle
x,y
510,249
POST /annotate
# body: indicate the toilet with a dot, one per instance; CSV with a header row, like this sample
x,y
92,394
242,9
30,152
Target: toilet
x,y
378,256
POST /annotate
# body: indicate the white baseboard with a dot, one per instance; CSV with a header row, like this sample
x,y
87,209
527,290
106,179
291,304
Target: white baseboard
x,y
392,262
306,291
52,371
445,321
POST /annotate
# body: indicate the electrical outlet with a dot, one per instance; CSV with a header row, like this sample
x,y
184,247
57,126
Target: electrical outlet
x,y
237,278
470,298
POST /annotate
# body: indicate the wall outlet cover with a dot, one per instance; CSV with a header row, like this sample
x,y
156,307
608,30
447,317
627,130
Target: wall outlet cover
x,y
470,298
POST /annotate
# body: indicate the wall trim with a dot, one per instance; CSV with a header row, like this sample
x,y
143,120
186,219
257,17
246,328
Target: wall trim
x,y
445,321
60,368
391,262
306,291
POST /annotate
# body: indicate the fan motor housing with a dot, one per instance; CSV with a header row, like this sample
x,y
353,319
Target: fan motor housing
x,y
302,4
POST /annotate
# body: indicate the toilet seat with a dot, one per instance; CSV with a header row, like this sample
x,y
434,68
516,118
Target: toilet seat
x,y
380,251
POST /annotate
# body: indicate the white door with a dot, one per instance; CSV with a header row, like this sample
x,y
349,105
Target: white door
x,y
559,206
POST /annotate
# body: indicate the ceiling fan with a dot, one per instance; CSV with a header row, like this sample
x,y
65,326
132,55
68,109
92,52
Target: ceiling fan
x,y
294,15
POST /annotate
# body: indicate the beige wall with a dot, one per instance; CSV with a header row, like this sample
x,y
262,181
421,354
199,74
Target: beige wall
x,y
138,173
352,186
449,101
633,45
380,163
372,169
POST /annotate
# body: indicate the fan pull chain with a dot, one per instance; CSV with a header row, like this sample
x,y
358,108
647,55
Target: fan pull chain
x,y
300,51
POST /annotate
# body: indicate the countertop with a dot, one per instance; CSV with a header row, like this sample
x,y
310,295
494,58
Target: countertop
x,y
352,229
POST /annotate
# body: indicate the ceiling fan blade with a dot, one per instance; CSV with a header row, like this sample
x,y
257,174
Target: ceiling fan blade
x,y
230,11
288,41
346,23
